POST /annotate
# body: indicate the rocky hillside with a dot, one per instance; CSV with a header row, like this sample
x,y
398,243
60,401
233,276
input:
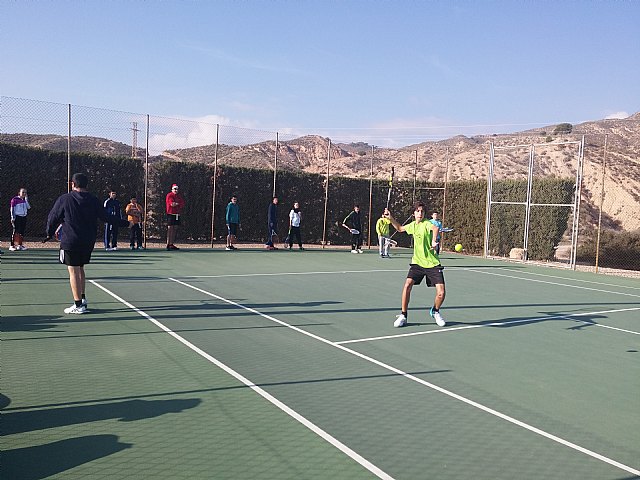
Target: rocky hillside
x,y
455,158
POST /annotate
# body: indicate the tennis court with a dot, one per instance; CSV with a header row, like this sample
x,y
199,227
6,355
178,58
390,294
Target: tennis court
x,y
252,364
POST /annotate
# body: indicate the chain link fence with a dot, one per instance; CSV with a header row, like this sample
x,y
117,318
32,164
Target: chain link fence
x,y
214,162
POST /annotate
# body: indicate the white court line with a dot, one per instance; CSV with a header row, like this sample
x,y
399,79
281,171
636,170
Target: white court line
x,y
500,324
565,278
288,273
424,382
550,283
289,411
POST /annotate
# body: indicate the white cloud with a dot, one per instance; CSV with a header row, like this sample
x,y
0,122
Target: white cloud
x,y
185,132
617,115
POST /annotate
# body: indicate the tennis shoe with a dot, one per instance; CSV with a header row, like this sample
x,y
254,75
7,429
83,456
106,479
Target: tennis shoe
x,y
12,248
228,249
21,247
359,250
73,309
437,317
354,251
85,304
401,321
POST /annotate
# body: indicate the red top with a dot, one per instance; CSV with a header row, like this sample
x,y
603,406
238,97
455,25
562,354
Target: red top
x,y
174,198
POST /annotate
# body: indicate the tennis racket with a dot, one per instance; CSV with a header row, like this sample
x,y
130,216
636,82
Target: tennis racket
x,y
286,240
390,186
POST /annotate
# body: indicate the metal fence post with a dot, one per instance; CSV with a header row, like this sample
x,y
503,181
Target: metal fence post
x,y
146,188
326,197
604,171
69,150
215,183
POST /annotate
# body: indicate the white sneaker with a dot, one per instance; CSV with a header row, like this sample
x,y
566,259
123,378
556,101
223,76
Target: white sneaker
x,y
352,251
76,310
359,250
228,249
13,249
85,304
437,317
21,247
401,321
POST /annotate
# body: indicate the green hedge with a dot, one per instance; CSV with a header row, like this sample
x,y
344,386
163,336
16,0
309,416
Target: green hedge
x,y
44,173
617,249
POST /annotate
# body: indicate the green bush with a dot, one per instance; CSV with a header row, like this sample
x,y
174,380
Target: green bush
x,y
617,249
464,210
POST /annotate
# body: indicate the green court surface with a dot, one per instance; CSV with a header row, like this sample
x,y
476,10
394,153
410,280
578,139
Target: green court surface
x,y
286,365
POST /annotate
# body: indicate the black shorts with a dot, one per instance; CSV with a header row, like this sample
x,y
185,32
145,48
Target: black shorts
x,y
233,229
173,218
75,258
434,274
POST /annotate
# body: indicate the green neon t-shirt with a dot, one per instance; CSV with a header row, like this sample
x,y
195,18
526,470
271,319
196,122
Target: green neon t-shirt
x,y
423,254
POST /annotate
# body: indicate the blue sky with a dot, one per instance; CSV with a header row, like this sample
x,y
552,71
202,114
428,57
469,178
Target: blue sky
x,y
397,69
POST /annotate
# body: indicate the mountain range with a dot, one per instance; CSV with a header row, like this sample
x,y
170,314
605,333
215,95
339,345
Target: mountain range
x,y
556,152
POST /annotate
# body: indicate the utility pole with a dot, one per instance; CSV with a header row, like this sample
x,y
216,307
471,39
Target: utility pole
x,y
134,143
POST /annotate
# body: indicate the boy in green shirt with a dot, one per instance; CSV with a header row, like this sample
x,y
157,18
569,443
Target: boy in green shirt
x,y
424,263
382,229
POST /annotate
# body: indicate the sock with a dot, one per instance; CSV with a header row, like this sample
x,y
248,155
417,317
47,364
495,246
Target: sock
x,y
84,297
405,314
78,303
435,309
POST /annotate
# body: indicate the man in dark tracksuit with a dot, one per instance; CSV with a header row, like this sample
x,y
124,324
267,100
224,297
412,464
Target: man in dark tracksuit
x,y
272,220
112,207
78,212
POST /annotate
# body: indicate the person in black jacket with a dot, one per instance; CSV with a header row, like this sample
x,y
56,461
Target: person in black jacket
x,y
113,207
272,220
77,213
353,223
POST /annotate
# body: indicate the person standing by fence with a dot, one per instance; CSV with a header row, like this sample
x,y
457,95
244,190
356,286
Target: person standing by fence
x,y
19,209
384,240
295,217
174,203
135,213
112,206
272,224
232,218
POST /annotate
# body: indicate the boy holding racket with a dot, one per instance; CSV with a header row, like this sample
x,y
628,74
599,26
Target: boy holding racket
x,y
424,263
353,223
382,229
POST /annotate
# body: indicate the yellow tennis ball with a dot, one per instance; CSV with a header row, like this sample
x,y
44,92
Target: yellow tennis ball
x,y
458,247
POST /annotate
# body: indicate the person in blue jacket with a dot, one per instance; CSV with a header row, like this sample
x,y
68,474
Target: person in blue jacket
x,y
232,217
